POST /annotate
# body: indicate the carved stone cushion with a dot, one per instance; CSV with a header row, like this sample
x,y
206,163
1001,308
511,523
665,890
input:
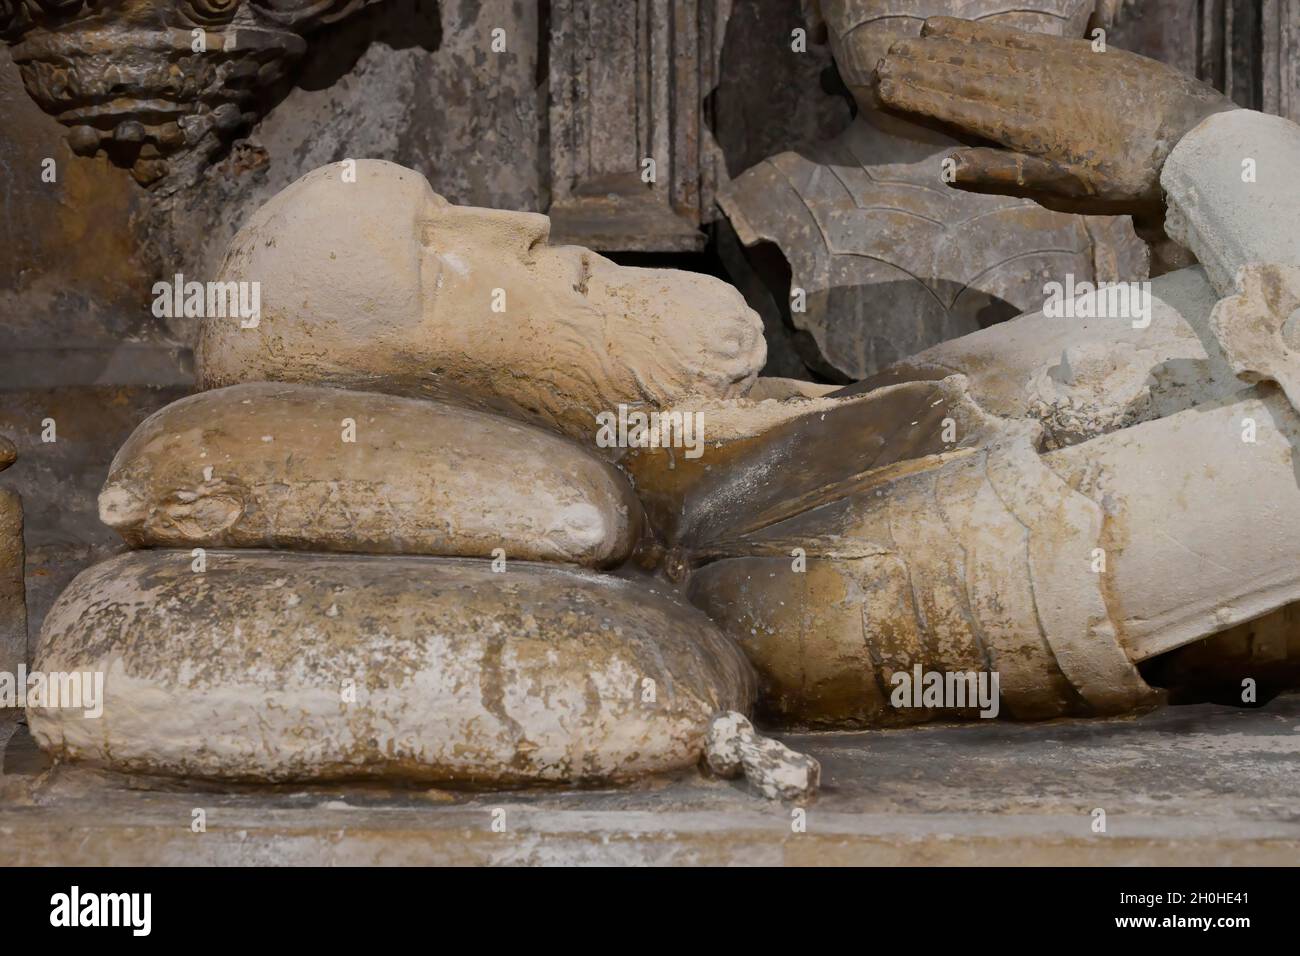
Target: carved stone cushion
x,y
274,667
302,467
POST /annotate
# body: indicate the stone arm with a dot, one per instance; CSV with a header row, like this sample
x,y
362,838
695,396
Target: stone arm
x,y
1117,133
1076,126
1228,201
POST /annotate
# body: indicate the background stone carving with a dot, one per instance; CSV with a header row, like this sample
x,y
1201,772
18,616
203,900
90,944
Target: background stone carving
x,y
158,85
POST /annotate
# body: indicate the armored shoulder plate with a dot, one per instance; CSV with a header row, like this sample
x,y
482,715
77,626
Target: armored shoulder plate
x,y
890,260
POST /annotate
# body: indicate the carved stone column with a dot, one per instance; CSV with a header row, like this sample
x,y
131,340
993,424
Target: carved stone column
x,y
1280,64
1250,49
627,84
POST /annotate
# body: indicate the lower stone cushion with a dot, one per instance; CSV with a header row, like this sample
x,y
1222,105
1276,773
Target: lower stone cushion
x,y
275,667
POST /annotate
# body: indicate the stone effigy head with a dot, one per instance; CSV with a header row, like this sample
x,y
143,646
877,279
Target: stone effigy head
x,y
368,279
149,80
861,31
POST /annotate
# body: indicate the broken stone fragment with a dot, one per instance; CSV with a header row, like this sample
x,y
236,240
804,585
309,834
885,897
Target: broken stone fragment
x,y
1092,390
277,667
735,748
1258,327
324,469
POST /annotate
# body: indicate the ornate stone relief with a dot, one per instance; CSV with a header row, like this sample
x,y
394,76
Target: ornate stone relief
x,y
158,86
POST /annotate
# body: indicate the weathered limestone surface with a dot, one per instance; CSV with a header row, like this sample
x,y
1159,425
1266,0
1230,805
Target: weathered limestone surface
x,y
1059,572
382,285
970,561
1186,556
274,667
1257,328
266,465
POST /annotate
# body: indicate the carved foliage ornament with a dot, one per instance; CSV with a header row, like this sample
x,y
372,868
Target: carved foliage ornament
x,y
155,82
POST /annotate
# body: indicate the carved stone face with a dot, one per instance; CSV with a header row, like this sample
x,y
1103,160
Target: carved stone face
x,y
380,283
861,31
147,79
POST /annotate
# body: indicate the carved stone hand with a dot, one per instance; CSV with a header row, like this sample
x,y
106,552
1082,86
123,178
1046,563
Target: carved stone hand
x,y
1079,130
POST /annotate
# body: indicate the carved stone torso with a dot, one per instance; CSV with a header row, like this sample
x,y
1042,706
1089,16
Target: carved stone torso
x,y
892,260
